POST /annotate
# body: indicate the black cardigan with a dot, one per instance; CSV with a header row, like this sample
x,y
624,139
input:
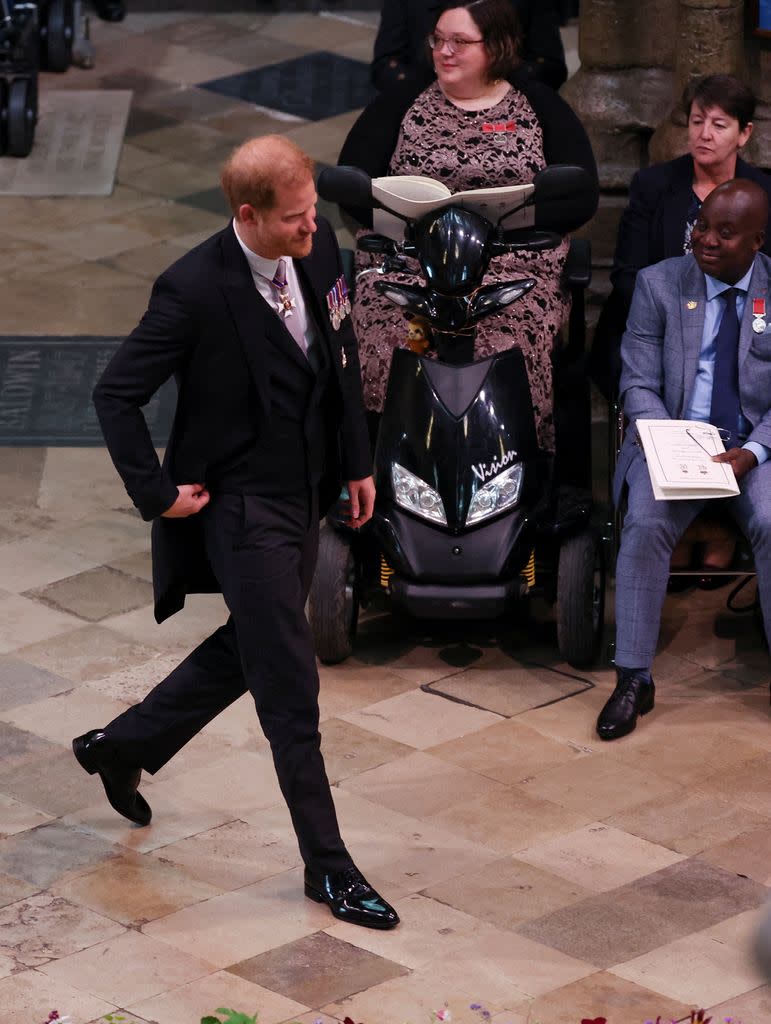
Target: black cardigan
x,y
372,139
404,25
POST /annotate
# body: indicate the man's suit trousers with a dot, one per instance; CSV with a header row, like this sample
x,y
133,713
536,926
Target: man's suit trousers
x,y
263,553
651,531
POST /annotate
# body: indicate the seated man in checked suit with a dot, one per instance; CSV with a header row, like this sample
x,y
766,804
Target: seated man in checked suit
x,y
698,347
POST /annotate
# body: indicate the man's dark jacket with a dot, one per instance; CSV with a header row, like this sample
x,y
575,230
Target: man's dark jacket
x,y
208,326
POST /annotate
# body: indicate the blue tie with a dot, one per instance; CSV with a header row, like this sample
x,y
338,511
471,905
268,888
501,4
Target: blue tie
x,y
726,409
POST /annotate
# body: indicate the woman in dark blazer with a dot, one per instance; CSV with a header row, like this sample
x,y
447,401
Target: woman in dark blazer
x,y
664,202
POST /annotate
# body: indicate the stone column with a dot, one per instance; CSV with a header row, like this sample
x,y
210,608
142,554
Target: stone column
x,y
709,40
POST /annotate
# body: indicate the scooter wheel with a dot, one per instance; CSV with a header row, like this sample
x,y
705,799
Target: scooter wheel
x,y
333,602
20,127
581,598
59,35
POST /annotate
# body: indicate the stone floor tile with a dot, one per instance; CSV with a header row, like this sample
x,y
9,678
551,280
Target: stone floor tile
x,y
417,996
36,561
18,817
239,781
95,594
612,997
174,817
507,751
420,785
127,969
350,750
231,928
27,996
19,748
746,854
570,721
105,536
317,969
148,261
202,615
707,967
750,1006
47,927
20,472
506,892
80,484
596,785
52,851
229,856
602,930
14,889
420,719
428,931
747,785
139,565
634,919
168,220
23,621
599,857
62,716
85,653
135,889
131,684
133,159
501,963
509,821
199,998
21,683
688,822
351,687
169,179
52,781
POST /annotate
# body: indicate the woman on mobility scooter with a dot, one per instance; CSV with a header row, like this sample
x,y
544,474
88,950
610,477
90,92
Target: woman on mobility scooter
x,y
476,126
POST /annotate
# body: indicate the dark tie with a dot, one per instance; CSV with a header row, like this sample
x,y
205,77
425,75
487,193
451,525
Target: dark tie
x,y
726,409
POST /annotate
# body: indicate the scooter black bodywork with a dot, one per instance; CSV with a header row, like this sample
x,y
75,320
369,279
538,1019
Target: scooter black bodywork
x,y
467,518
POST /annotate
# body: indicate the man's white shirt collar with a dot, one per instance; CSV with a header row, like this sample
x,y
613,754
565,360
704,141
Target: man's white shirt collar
x,y
258,264
715,287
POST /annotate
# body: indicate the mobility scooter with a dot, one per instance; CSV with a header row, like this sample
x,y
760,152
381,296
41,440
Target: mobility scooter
x,y
468,519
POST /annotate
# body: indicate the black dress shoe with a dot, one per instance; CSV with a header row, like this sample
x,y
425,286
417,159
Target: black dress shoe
x,y
110,10
633,696
120,782
351,898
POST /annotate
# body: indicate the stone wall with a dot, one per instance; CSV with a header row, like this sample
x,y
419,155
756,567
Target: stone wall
x,y
636,58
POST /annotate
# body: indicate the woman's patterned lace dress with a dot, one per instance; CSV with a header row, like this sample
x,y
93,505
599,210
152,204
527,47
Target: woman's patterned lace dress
x,y
441,141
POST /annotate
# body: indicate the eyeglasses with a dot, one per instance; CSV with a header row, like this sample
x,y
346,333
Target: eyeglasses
x,y
455,44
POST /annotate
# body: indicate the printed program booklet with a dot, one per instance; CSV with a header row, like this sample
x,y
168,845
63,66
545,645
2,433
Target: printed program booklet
x,y
679,456
413,195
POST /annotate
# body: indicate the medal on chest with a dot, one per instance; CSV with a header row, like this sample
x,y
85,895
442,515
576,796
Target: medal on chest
x,y
758,315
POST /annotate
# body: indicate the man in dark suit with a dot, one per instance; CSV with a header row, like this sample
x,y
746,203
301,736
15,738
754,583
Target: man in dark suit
x,y
697,347
269,420
400,45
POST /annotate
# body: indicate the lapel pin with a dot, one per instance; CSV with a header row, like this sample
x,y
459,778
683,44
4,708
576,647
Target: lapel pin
x,y
343,358
691,304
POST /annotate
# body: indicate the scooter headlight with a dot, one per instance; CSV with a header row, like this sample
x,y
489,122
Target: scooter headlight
x,y
497,494
415,495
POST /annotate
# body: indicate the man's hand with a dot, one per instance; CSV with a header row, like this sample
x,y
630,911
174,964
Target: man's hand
x,y
362,501
191,499
742,460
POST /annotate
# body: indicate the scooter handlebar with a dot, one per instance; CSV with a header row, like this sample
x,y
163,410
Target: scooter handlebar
x,y
525,239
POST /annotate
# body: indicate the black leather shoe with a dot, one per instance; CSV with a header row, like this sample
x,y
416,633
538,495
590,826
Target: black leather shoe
x,y
351,898
633,696
110,10
120,782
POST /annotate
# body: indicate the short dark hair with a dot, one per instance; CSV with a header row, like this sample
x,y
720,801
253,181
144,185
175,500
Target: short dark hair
x,y
498,26
724,91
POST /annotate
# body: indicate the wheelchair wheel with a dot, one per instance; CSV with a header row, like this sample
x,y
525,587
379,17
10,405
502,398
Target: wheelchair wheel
x,y
581,598
22,114
59,34
333,602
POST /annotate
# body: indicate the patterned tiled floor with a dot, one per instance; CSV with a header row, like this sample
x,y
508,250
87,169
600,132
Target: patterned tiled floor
x,y
537,872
